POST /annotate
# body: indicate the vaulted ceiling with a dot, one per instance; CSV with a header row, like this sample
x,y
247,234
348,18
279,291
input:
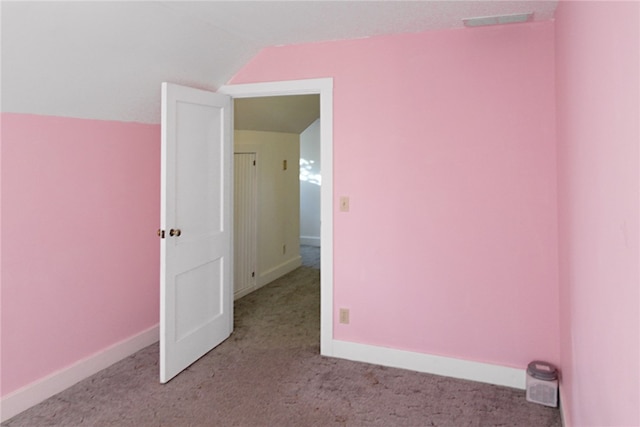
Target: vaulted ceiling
x,y
106,60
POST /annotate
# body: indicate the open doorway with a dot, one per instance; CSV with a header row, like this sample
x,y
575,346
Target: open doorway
x,y
323,88
277,202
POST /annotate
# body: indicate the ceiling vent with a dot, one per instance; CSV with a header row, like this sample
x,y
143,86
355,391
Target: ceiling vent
x,y
497,20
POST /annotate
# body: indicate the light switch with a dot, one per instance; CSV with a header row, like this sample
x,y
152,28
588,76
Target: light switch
x,y
344,204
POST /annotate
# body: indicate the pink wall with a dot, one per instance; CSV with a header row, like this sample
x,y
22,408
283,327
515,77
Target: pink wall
x,y
80,272
445,143
598,89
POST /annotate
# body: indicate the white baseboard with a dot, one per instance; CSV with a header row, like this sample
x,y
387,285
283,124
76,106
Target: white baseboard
x,y
310,241
244,292
34,393
279,271
438,365
271,275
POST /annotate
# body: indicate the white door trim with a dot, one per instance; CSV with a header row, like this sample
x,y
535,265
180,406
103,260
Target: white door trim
x,y
323,87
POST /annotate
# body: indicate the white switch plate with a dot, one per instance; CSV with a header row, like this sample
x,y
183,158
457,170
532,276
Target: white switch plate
x,y
344,316
344,204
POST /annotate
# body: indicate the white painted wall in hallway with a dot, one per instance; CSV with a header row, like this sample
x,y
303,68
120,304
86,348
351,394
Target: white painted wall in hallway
x,y
310,181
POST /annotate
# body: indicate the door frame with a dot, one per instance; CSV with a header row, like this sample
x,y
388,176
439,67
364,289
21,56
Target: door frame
x,y
324,88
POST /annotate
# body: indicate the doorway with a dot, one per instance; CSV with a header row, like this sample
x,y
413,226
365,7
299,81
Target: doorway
x,y
323,88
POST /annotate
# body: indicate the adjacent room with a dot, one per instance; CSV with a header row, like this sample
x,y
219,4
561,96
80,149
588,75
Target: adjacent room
x,y
480,213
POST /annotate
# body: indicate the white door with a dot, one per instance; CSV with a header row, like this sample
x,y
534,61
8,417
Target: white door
x,y
245,223
196,271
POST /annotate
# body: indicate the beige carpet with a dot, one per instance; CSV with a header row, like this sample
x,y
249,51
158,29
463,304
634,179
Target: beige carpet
x,y
270,373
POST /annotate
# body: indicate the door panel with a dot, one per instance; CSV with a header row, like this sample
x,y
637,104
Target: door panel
x,y
196,296
199,168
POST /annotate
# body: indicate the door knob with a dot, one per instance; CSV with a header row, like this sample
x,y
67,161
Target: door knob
x,y
175,232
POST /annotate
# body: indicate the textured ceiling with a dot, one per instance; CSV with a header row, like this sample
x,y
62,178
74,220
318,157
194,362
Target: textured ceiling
x,y
106,60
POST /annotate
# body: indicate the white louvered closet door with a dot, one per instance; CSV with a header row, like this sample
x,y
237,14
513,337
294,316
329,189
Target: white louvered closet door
x,y
245,223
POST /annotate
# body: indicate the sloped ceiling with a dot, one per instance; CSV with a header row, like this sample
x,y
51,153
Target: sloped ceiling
x,y
106,60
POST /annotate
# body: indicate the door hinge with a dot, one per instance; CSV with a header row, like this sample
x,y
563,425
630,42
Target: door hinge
x,y
254,163
160,233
